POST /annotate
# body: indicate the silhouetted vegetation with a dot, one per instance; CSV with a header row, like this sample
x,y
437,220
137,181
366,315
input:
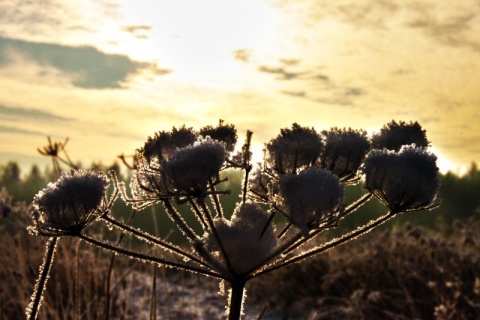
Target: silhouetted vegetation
x,y
459,195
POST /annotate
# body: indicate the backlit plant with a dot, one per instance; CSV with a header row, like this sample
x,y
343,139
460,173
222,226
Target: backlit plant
x,y
286,202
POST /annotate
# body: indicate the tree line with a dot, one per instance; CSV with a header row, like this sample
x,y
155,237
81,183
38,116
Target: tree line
x,y
459,195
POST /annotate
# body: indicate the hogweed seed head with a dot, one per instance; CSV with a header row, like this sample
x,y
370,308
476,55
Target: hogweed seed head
x,y
394,135
189,169
294,149
70,204
309,195
225,133
164,143
241,238
344,151
403,181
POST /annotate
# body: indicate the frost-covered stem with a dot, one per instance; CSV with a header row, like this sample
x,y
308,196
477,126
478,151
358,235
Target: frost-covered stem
x,y
279,250
236,299
331,244
217,237
34,306
181,224
149,238
216,200
198,214
145,257
108,280
351,208
246,163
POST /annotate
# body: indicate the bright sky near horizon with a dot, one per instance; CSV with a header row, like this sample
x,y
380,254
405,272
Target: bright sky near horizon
x,y
107,74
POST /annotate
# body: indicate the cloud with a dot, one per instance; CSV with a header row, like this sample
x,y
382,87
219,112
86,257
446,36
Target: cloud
x,y
137,31
14,130
242,55
282,72
89,67
29,114
455,29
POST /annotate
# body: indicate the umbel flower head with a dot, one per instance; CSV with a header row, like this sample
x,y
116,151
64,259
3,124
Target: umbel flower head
x,y
403,181
394,135
242,238
189,169
309,196
294,149
344,151
164,143
225,133
72,203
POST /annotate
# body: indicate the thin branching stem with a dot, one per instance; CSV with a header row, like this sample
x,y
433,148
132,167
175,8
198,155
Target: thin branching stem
x,y
145,257
178,220
351,208
198,214
329,245
217,237
111,264
149,238
216,200
34,306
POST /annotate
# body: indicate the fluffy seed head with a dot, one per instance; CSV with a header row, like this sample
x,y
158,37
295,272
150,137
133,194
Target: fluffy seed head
x,y
344,151
225,133
190,168
70,204
309,195
294,149
164,143
394,135
241,237
403,181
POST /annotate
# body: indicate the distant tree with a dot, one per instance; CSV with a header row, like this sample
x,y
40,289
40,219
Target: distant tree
x,y
10,177
33,182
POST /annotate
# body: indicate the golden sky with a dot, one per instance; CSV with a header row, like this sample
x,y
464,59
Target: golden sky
x,y
107,74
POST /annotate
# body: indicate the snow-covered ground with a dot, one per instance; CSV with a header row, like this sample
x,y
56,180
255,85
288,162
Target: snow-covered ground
x,y
178,296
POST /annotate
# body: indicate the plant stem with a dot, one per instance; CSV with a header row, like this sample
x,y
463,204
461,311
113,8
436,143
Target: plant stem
x,y
331,244
149,238
34,306
147,258
236,299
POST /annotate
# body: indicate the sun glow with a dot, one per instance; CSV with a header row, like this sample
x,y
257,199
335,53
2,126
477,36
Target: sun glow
x,y
198,40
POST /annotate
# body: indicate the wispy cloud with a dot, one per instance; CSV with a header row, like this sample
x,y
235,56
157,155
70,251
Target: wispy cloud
x,y
15,130
138,31
89,67
18,113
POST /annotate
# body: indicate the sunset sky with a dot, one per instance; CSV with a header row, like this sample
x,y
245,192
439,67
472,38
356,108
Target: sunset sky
x,y
109,73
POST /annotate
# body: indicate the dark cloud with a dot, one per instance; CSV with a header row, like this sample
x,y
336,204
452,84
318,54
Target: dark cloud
x,y
14,130
16,113
89,67
452,31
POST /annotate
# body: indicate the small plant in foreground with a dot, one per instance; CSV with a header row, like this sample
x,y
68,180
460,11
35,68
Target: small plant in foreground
x,y
302,179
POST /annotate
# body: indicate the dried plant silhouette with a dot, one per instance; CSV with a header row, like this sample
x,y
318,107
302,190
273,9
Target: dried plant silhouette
x,y
286,203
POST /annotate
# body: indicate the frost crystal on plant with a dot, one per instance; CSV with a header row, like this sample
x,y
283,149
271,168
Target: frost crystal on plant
x,y
189,169
241,237
70,204
309,195
294,149
403,181
395,135
344,151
